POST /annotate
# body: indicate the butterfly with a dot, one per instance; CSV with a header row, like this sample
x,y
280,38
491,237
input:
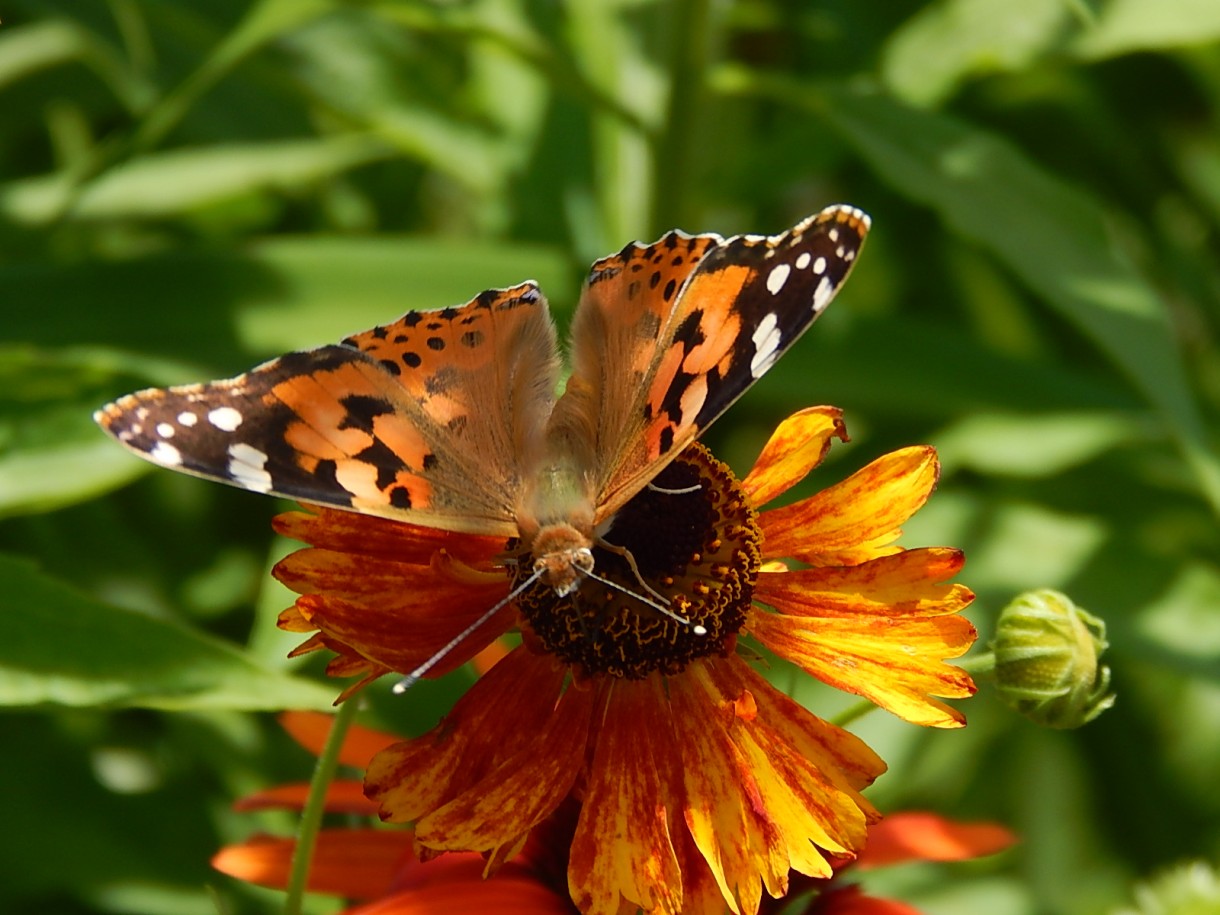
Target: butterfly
x,y
450,418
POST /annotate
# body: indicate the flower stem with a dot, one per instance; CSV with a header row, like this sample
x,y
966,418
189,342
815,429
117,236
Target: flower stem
x,y
852,713
311,815
690,54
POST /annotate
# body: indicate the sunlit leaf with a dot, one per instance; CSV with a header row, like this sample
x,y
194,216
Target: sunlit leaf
x,y
1125,26
949,41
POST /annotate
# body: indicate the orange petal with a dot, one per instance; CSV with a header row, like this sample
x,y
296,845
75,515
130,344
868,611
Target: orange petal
x,y
402,629
623,854
312,729
915,836
341,797
892,661
365,535
523,787
857,519
311,570
797,446
849,900
357,863
498,718
517,894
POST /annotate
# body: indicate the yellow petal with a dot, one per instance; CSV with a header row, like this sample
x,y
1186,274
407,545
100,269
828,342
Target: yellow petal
x,y
856,519
893,661
908,583
797,446
768,786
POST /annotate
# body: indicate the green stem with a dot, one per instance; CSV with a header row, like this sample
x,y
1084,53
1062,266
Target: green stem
x,y
691,40
980,666
853,713
311,816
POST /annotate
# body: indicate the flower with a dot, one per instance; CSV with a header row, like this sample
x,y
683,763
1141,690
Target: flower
x,y
378,867
699,783
1046,656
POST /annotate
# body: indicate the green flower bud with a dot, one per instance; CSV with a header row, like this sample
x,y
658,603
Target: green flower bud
x,y
1046,652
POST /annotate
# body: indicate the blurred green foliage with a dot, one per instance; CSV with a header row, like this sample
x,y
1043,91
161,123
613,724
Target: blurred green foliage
x,y
186,189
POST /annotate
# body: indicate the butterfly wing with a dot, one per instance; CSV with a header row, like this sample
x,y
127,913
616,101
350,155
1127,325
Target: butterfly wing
x,y
422,420
667,336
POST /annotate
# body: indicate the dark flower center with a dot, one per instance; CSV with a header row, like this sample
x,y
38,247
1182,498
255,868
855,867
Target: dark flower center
x,y
695,545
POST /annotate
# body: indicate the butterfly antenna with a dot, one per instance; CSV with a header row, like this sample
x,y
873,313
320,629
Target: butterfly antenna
x,y
663,609
635,570
682,491
441,653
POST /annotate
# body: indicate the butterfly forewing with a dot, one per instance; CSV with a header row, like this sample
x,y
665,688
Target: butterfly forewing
x,y
421,420
737,311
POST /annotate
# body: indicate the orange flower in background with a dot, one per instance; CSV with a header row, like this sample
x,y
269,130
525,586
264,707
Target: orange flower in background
x,y
699,783
378,869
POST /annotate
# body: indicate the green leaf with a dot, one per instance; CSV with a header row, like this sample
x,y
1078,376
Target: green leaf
x,y
1124,26
61,647
51,452
169,184
1036,446
946,43
222,309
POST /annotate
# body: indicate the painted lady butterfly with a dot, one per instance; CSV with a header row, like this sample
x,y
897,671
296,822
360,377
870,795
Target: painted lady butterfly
x,y
449,418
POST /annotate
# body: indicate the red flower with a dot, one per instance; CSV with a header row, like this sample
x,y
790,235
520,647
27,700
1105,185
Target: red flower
x,y
698,782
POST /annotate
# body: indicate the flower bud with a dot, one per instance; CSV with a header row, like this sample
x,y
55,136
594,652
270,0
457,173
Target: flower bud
x,y
1046,653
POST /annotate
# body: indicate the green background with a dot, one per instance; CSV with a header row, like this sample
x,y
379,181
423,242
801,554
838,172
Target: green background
x,y
189,188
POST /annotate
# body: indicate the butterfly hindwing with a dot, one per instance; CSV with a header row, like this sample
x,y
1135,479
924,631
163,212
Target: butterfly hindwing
x,y
421,420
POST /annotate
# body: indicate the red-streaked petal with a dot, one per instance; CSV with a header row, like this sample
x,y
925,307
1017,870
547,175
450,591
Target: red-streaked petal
x,y
366,535
857,519
765,780
407,628
341,797
906,584
522,789
356,863
797,445
312,729
918,836
623,853
499,717
894,662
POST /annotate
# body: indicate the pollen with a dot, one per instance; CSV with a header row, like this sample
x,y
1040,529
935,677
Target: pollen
x,y
672,579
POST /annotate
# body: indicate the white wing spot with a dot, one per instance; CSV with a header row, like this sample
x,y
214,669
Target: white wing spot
x,y
187,418
833,233
226,419
822,294
247,467
803,261
819,266
766,345
777,277
165,430
165,453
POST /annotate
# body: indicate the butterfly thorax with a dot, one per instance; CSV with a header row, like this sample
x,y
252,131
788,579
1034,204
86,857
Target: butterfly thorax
x,y
555,519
